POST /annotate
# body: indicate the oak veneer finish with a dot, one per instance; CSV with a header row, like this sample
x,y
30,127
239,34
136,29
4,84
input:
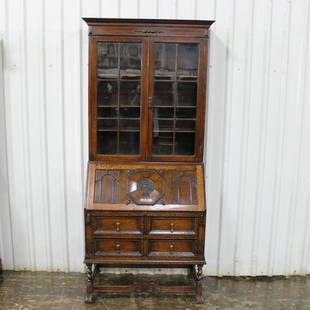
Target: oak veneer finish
x,y
176,186
145,189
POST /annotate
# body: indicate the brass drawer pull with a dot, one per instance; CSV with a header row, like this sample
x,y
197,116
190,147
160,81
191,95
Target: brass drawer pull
x,y
171,248
118,248
118,226
172,227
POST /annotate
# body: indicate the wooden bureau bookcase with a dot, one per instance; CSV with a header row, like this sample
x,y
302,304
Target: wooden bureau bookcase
x,y
146,202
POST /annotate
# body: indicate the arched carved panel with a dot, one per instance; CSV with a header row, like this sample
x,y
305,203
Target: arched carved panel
x,y
106,186
184,187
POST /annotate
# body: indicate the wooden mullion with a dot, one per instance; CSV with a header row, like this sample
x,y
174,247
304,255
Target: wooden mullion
x,y
175,97
201,99
143,139
118,92
150,94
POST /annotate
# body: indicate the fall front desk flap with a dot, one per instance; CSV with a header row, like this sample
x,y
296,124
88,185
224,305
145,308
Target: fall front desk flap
x,y
164,187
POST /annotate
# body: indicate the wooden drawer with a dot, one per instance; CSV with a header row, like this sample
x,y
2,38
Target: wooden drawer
x,y
118,225
171,248
173,225
118,247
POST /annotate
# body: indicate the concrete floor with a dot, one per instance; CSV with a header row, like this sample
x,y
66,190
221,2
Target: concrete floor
x,y
42,290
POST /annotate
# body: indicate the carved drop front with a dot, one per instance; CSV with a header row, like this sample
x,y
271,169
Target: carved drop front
x,y
145,186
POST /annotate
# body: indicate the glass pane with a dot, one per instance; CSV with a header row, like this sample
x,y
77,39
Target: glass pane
x,y
187,94
129,124
130,59
118,96
129,143
130,93
129,112
185,113
107,93
163,112
185,125
162,143
107,112
184,143
107,124
162,125
165,56
187,60
175,98
107,59
163,93
106,142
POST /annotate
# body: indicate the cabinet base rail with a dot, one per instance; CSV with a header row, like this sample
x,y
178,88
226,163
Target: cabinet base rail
x,y
148,286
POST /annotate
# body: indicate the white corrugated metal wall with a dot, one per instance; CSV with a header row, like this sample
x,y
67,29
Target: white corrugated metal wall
x,y
258,171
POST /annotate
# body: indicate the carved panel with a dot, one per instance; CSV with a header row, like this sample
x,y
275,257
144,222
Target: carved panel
x,y
184,187
145,186
107,186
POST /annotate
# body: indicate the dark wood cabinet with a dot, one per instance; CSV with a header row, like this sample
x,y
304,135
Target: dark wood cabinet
x,y
145,191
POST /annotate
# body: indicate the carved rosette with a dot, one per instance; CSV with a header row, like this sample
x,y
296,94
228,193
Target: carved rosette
x,y
145,187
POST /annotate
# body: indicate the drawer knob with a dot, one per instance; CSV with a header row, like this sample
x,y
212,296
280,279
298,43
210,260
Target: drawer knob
x,y
171,248
172,227
118,226
118,248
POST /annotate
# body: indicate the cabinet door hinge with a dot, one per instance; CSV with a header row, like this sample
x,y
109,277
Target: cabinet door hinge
x,y
150,102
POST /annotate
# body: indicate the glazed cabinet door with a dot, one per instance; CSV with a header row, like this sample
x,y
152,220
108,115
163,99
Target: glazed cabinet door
x,y
118,84
177,79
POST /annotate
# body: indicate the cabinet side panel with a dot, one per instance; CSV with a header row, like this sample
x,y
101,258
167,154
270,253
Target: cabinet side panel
x,y
92,89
